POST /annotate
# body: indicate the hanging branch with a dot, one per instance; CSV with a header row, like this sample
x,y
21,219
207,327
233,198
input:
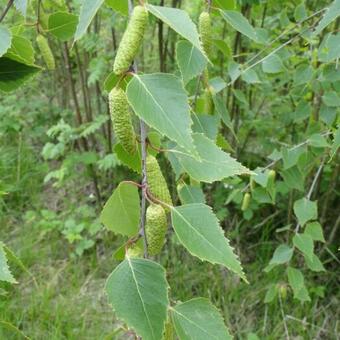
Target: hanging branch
x,y
143,139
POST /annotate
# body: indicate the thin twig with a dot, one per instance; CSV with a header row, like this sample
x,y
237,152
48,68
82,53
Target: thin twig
x,y
277,160
143,136
312,187
9,4
284,318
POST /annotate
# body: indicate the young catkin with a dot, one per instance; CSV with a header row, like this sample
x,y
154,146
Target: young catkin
x,y
246,201
156,182
208,102
46,52
155,228
205,29
272,175
131,40
121,120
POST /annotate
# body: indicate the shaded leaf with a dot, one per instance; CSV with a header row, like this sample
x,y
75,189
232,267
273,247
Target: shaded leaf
x,y
62,25
14,74
190,60
122,211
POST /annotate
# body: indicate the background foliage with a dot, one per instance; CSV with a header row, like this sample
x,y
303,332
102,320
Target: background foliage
x,y
274,89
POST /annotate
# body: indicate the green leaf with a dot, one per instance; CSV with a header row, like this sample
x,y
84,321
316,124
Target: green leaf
x,y
271,293
179,21
5,39
216,85
21,6
213,165
296,281
121,212
291,157
160,100
318,141
305,210
224,47
138,292
329,49
282,254
5,273
331,99
88,10
331,14
300,13
293,178
199,231
198,319
315,264
336,142
190,60
272,64
190,194
304,243
207,124
314,229
13,74
224,4
62,25
303,74
120,6
250,77
21,50
240,23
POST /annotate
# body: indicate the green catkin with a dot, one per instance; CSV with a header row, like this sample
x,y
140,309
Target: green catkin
x,y
155,228
204,25
252,184
156,182
208,102
131,40
246,201
46,52
272,175
121,120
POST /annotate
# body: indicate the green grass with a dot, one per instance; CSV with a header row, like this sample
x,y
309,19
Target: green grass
x,y
69,302
66,298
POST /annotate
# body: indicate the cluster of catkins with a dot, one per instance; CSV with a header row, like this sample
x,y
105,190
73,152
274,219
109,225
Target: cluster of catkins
x,y
156,219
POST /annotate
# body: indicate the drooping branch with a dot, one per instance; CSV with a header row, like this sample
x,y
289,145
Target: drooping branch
x,y
143,139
